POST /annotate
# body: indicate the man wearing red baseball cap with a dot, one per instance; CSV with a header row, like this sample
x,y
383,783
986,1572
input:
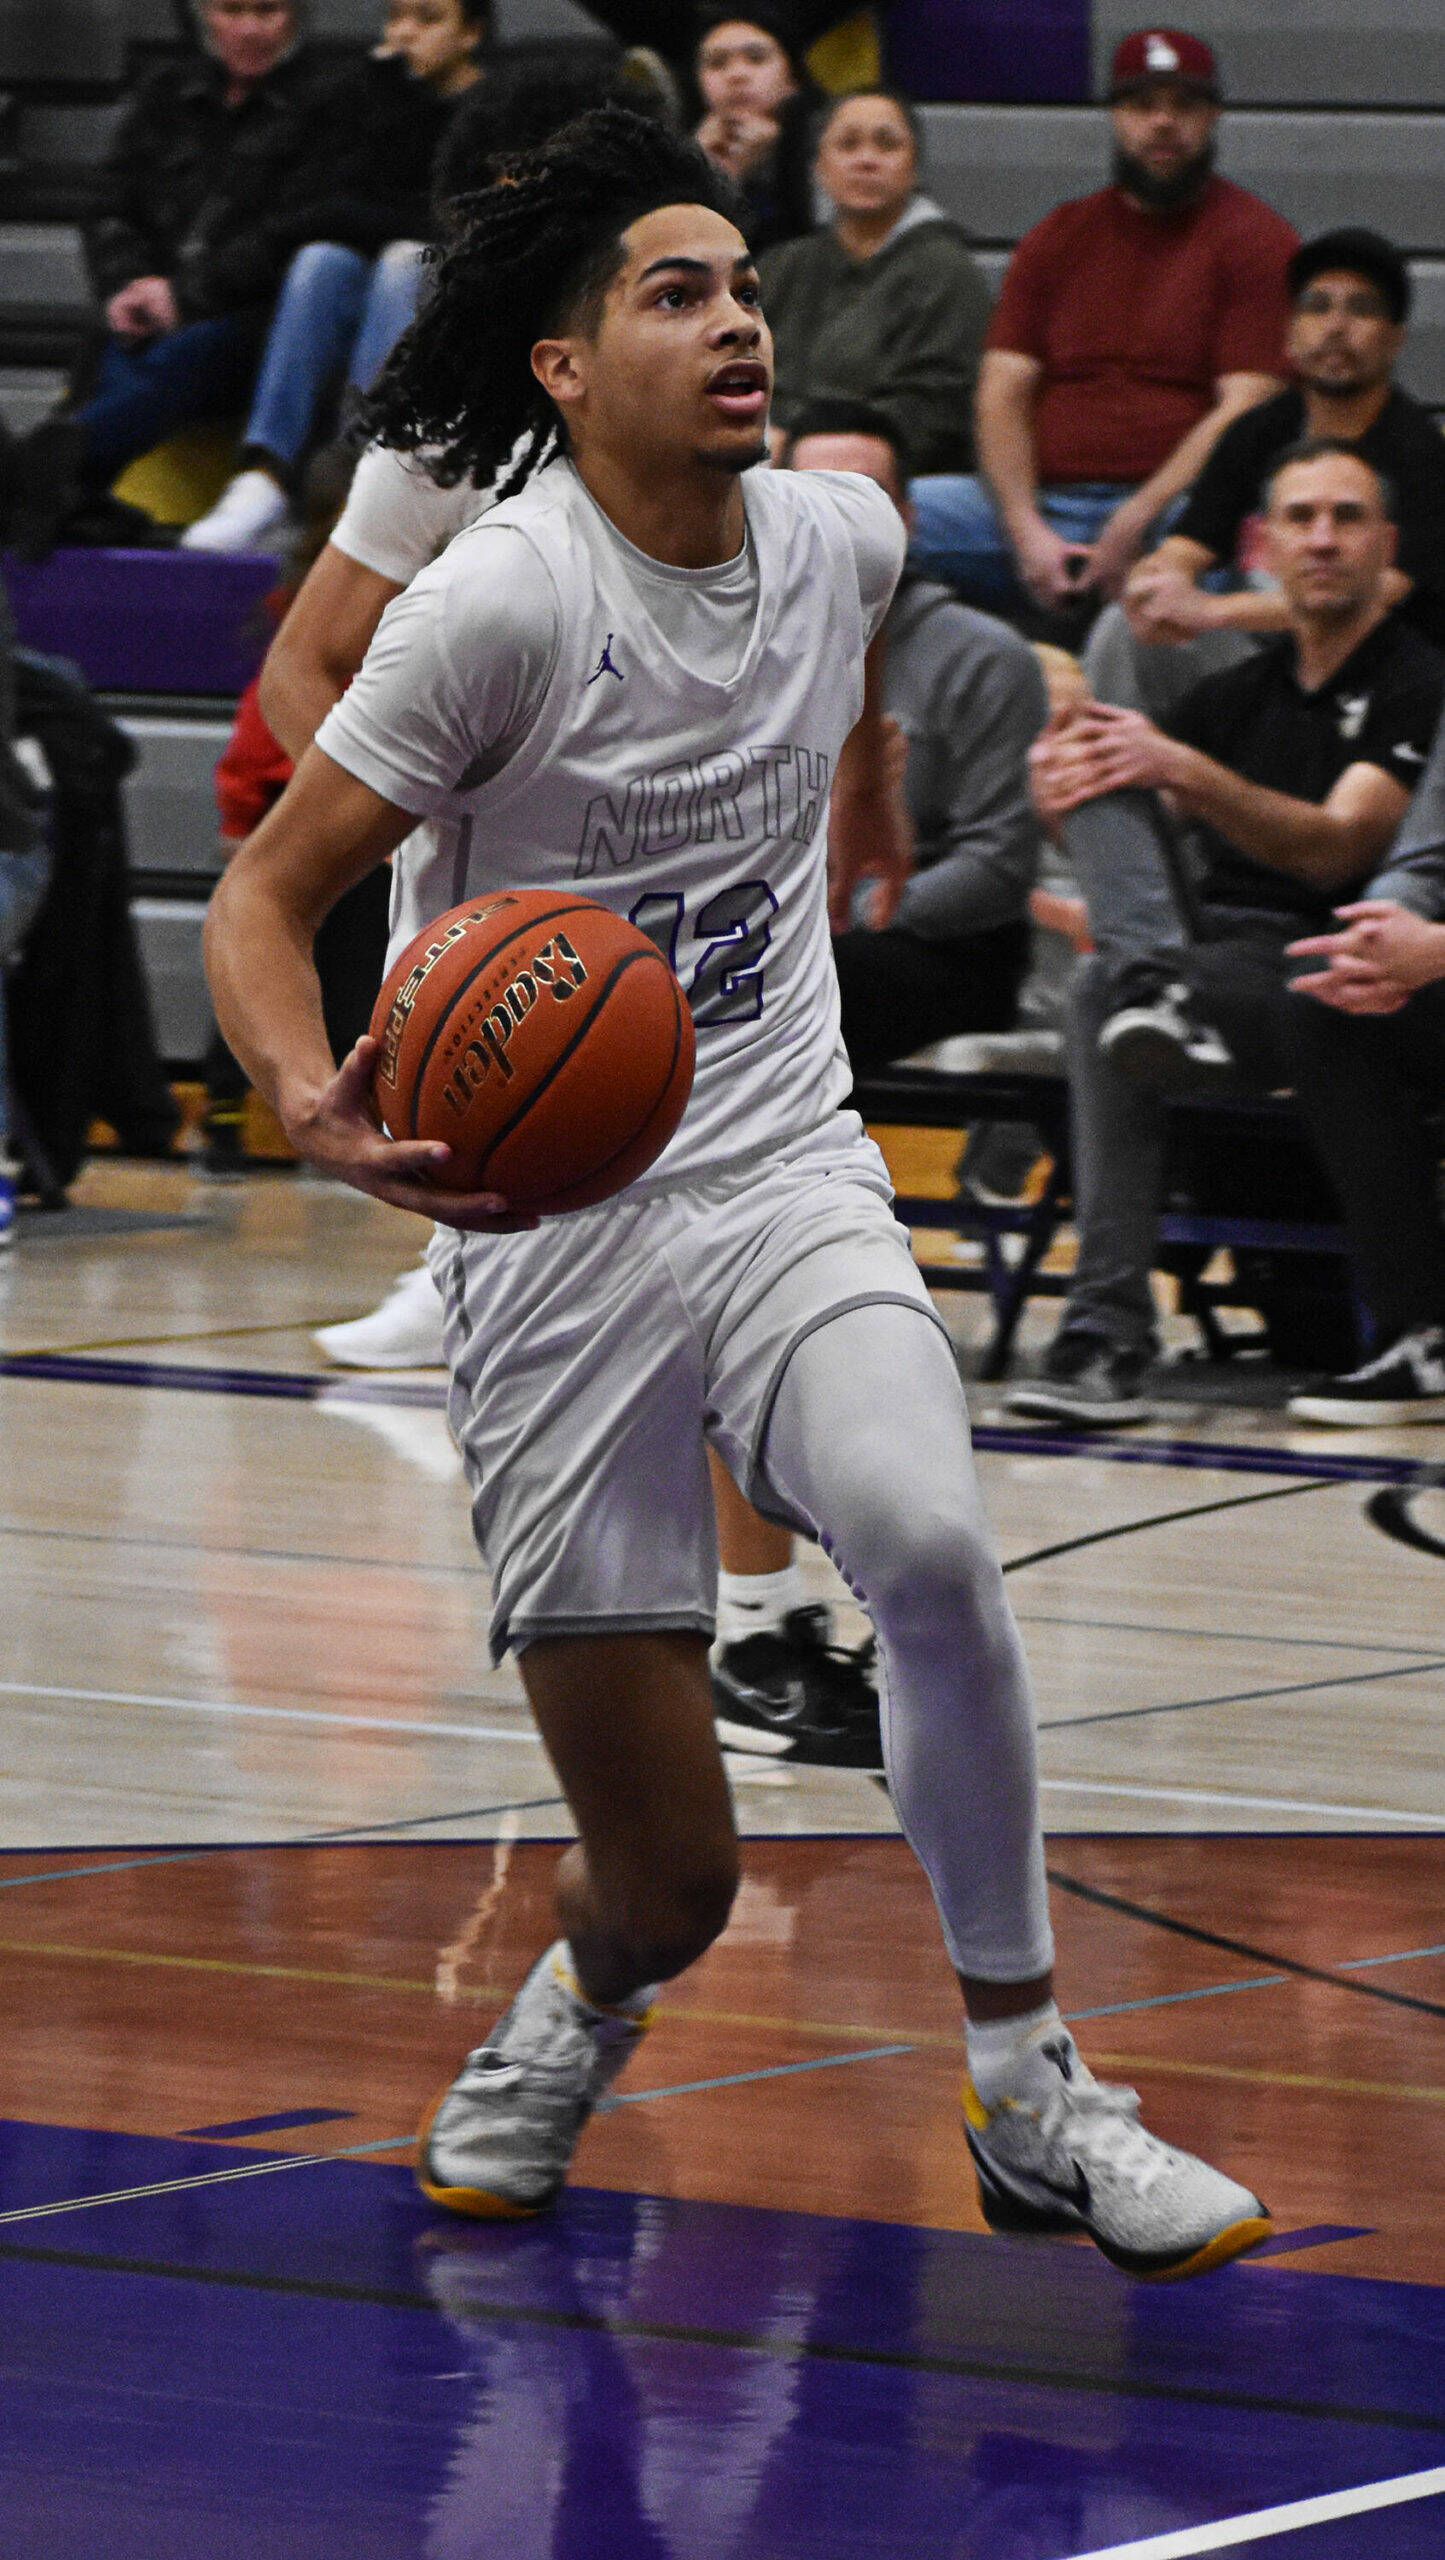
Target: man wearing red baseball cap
x,y
1132,325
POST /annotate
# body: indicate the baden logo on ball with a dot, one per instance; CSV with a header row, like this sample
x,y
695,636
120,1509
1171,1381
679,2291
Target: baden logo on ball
x,y
544,1039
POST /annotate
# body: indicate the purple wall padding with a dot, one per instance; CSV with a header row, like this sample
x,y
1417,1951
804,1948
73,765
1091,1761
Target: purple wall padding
x,y
1033,51
147,621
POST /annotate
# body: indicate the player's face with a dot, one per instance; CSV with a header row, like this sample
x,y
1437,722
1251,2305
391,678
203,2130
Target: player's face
x,y
1341,336
866,160
681,365
742,70
1328,539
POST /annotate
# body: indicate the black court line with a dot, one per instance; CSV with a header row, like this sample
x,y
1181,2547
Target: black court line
x,y
1095,1894
1242,1636
243,1848
259,1555
1238,1697
1392,1510
1161,1519
744,2341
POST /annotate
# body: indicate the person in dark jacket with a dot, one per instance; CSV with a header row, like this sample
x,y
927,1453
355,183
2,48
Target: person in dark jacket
x,y
182,254
357,215
759,102
886,304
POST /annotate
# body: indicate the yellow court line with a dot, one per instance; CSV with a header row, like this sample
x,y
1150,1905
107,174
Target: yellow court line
x,y
1427,2096
923,2037
221,1964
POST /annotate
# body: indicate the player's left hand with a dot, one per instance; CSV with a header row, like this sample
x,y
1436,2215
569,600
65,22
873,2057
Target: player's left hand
x,y
337,1130
870,836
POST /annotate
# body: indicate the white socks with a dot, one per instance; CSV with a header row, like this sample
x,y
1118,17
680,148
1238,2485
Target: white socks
x,y
1001,2054
755,1604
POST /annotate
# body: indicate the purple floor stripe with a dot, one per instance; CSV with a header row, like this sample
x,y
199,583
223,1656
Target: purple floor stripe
x,y
1226,1457
284,2123
1315,2235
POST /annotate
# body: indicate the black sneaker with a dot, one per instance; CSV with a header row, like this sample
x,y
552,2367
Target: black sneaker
x,y
1085,1384
223,1148
1404,1384
1162,1041
795,1696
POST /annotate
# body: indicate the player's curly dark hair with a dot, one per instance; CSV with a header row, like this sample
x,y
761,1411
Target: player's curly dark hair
x,y
527,255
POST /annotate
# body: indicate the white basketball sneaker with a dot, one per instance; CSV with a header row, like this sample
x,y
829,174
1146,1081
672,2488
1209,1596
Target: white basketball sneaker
x,y
498,2142
1066,2152
404,1332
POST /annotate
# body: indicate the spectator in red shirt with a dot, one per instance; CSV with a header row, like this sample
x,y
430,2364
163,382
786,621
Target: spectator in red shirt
x,y
1132,326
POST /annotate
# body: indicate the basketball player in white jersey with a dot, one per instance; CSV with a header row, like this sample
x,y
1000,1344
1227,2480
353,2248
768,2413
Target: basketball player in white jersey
x,y
636,674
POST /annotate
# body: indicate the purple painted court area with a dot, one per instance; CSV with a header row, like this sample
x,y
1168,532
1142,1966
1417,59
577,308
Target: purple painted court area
x,y
188,622
311,2365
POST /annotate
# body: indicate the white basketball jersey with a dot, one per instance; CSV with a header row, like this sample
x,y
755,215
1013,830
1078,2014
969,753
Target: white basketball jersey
x,y
698,808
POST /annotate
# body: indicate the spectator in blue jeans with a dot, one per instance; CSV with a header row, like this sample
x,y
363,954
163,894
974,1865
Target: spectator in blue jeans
x,y
350,291
182,251
1132,326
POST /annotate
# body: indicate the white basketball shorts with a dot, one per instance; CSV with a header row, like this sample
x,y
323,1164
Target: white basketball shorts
x,y
593,1356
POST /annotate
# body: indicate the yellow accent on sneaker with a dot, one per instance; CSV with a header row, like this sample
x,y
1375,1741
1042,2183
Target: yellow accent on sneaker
x,y
475,2201
638,2018
974,2110
1215,2253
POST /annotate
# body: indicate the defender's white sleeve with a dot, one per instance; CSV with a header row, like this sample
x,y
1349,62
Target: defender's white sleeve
x,y
396,519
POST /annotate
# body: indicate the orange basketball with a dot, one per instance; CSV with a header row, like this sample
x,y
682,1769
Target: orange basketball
x,y
544,1038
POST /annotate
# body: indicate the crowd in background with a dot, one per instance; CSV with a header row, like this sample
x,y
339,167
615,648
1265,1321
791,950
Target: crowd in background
x,y
1169,466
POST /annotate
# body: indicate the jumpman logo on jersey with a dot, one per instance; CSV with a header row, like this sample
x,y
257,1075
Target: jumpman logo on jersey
x,y
604,666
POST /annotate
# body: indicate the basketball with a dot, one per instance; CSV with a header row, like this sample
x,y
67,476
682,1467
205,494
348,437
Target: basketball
x,y
543,1038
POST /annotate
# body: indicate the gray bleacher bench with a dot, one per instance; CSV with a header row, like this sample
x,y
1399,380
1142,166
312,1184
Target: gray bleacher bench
x,y
1018,1077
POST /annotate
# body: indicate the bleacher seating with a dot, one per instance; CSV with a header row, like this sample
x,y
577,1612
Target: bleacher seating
x,y
1365,53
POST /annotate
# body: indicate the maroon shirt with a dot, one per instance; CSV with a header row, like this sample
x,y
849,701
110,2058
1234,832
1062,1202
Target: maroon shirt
x,y
1134,316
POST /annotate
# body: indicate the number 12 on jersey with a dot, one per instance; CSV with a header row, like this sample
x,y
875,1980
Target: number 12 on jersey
x,y
734,929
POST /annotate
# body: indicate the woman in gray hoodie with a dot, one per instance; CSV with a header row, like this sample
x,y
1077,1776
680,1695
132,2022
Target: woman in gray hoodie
x,y
885,303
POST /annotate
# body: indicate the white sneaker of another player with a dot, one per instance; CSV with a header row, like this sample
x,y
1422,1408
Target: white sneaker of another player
x,y
404,1332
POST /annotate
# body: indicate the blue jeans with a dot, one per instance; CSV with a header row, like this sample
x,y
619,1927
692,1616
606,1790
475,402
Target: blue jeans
x,y
957,536
336,308
144,392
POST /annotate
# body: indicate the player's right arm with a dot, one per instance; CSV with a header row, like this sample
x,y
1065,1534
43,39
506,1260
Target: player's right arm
x,y
325,833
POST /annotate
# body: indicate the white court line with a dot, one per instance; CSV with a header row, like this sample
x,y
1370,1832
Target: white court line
x,y
207,2178
1250,1804
1233,2530
284,1715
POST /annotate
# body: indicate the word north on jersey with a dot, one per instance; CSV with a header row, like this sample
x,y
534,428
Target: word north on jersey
x,y
753,794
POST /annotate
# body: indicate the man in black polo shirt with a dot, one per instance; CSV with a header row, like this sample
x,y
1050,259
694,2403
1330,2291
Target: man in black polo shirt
x,y
1273,794
1350,300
